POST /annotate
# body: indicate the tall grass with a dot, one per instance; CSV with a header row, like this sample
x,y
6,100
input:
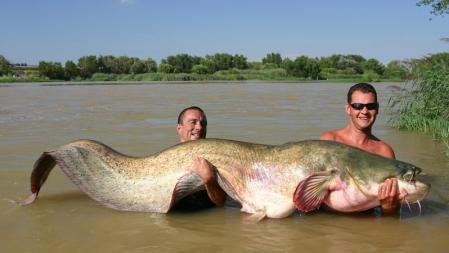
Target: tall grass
x,y
423,104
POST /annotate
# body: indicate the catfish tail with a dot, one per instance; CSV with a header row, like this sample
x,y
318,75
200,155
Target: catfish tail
x,y
115,180
41,169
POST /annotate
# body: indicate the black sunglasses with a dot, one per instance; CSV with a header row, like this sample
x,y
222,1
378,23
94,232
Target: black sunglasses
x,y
369,106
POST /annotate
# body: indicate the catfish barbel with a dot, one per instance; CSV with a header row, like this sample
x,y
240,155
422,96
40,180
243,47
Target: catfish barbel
x,y
267,180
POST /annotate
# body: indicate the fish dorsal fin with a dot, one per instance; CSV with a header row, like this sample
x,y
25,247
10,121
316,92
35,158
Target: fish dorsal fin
x,y
312,191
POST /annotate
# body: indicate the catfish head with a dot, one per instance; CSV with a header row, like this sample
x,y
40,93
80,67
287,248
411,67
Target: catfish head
x,y
352,185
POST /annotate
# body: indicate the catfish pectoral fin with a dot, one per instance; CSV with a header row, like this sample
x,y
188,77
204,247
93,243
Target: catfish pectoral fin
x,y
41,169
311,192
186,185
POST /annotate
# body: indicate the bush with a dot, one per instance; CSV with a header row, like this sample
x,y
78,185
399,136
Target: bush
x,y
103,77
370,76
165,68
200,69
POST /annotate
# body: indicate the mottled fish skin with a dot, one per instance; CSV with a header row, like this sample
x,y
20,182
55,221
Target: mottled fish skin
x,y
263,178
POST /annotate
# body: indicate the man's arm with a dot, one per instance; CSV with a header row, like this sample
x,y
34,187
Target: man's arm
x,y
388,194
205,170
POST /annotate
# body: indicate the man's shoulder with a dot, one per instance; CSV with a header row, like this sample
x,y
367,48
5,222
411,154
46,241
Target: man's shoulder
x,y
331,135
384,149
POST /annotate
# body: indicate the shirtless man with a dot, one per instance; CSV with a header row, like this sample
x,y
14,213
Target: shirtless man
x,y
192,125
362,108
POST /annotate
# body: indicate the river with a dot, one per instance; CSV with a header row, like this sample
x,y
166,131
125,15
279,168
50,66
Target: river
x,y
140,119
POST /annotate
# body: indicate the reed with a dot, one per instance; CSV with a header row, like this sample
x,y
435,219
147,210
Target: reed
x,y
423,104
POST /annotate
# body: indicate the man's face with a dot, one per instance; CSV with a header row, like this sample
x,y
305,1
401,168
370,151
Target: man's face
x,y
363,118
192,127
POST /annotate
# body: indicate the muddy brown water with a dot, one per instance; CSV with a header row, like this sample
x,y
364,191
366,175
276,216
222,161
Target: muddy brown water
x,y
140,119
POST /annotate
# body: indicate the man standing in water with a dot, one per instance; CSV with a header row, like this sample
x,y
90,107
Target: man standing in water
x,y
362,108
192,125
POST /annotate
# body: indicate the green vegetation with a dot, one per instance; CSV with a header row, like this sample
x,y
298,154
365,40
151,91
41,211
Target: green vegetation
x,y
439,7
5,66
423,105
220,66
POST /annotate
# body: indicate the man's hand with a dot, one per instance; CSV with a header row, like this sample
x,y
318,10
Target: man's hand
x,y
389,195
204,169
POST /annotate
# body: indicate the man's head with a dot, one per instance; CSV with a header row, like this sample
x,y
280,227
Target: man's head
x,y
363,88
362,106
192,124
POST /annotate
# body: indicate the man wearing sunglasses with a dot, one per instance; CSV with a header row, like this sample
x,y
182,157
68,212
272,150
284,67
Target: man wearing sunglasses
x,y
362,108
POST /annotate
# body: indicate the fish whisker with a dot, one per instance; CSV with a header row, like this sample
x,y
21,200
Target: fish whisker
x,y
408,204
419,204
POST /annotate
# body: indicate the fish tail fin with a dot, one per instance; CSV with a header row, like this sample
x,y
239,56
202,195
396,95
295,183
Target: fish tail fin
x,y
41,169
115,180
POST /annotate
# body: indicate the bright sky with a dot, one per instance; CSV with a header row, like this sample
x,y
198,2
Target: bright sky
x,y
60,30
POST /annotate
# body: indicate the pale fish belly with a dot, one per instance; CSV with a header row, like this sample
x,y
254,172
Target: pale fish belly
x,y
265,194
351,198
273,205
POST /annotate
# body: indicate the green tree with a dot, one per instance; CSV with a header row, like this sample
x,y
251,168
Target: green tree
x,y
374,65
312,69
239,61
200,69
304,67
70,70
288,65
123,65
138,67
5,66
165,68
439,7
345,62
300,66
396,69
151,65
219,61
106,64
87,66
182,63
273,58
52,70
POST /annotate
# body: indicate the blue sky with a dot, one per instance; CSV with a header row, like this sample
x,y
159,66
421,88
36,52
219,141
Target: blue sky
x,y
61,30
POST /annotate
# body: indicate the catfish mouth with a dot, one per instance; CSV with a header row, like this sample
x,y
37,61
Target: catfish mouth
x,y
416,190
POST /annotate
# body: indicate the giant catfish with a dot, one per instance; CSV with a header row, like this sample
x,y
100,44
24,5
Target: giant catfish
x,y
267,180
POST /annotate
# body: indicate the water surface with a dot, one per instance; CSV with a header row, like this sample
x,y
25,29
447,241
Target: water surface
x,y
140,120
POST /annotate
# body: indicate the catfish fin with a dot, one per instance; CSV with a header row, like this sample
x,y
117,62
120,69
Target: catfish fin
x,y
186,185
311,192
30,199
254,217
228,187
41,169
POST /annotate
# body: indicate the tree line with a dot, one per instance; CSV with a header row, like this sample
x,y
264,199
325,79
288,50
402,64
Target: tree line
x,y
302,67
